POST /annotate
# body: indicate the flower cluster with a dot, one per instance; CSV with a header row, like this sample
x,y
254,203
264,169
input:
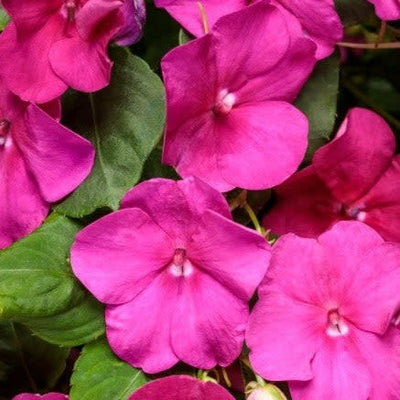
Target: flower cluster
x,y
180,280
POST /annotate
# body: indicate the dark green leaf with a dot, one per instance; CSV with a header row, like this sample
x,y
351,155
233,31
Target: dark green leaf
x,y
124,122
26,362
37,286
100,375
318,100
184,36
155,169
354,12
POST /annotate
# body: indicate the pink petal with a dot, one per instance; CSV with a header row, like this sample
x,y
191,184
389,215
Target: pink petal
x,y
381,205
185,200
387,10
208,323
283,336
139,331
59,159
187,12
373,296
339,371
22,208
47,396
181,387
303,206
353,162
250,43
91,69
320,21
24,64
119,255
269,139
233,255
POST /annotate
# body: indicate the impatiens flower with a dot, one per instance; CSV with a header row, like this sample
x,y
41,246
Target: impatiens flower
x,y
318,18
52,44
48,396
181,387
175,272
229,121
40,162
356,176
387,10
322,321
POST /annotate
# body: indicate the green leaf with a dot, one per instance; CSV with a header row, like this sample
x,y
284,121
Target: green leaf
x,y
354,12
124,122
184,36
26,362
318,100
4,18
38,288
154,168
100,375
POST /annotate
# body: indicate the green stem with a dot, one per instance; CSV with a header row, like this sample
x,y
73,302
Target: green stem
x,y
370,46
253,218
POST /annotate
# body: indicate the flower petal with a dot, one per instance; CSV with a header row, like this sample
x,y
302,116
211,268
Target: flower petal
x,y
303,206
388,10
139,331
59,159
261,144
181,387
360,153
119,255
209,322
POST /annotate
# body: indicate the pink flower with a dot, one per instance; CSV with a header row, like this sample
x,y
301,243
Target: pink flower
x,y
175,272
387,10
318,18
229,120
356,176
322,321
48,396
52,44
181,387
40,162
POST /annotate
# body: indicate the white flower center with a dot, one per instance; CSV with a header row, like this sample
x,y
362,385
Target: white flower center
x,y
180,265
5,138
224,102
336,324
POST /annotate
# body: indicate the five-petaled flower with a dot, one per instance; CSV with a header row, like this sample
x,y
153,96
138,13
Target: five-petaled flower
x,y
318,18
229,120
176,274
52,44
322,320
355,176
181,387
40,162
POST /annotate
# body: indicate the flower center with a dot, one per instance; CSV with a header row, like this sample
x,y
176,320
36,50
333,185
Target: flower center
x,y
336,324
69,9
224,102
180,265
356,213
5,126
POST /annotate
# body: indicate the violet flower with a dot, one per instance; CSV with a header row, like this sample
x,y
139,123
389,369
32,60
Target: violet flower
x,y
47,396
388,10
318,18
52,44
175,273
181,387
322,321
355,176
229,121
40,162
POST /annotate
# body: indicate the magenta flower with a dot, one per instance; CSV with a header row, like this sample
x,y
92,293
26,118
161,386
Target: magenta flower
x,y
52,44
229,121
47,396
322,321
40,162
318,18
387,10
356,176
181,387
175,272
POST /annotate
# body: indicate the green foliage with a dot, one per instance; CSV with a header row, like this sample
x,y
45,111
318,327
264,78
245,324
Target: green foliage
x,y
100,375
4,18
26,362
37,286
354,11
124,122
318,100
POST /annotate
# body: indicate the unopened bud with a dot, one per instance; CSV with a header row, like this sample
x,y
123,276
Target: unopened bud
x,y
267,392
